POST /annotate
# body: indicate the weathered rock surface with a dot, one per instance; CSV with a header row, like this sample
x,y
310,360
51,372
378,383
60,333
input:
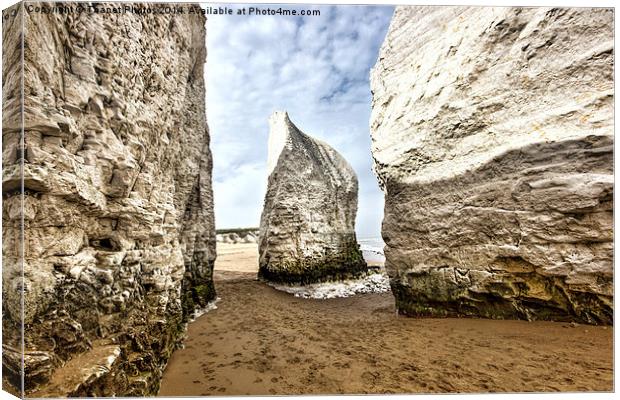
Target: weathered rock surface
x,y
307,228
492,137
119,239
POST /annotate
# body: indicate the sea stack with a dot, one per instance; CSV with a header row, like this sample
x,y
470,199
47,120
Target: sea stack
x,y
117,209
307,228
492,135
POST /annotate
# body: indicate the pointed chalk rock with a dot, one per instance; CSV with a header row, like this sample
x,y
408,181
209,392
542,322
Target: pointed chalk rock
x,y
307,229
492,135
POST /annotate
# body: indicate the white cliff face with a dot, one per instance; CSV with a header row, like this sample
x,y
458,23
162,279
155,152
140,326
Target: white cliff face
x,y
119,240
278,135
492,135
307,230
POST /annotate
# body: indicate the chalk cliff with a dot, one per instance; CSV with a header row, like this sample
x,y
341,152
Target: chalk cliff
x,y
119,238
307,228
492,135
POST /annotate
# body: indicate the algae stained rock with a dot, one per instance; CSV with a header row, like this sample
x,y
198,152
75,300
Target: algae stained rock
x,y
492,135
307,229
119,239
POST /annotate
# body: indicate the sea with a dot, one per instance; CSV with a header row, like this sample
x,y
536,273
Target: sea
x,y
372,249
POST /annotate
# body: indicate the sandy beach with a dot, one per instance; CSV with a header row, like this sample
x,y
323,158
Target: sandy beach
x,y
260,341
235,261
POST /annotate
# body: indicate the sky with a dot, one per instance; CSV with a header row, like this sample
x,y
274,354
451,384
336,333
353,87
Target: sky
x,y
314,67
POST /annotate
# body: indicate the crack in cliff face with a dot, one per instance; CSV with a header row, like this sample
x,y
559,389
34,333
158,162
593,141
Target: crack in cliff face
x,y
307,231
119,238
517,195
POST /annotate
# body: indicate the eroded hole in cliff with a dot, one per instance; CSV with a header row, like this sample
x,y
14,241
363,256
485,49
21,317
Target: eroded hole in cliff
x,y
106,244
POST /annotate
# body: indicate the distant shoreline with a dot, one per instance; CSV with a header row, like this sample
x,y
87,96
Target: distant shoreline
x,y
372,247
235,230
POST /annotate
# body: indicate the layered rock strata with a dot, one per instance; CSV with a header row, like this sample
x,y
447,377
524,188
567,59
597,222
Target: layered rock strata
x,y
118,239
307,228
492,135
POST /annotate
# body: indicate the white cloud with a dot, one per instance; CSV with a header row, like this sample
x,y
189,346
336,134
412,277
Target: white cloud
x,y
316,68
